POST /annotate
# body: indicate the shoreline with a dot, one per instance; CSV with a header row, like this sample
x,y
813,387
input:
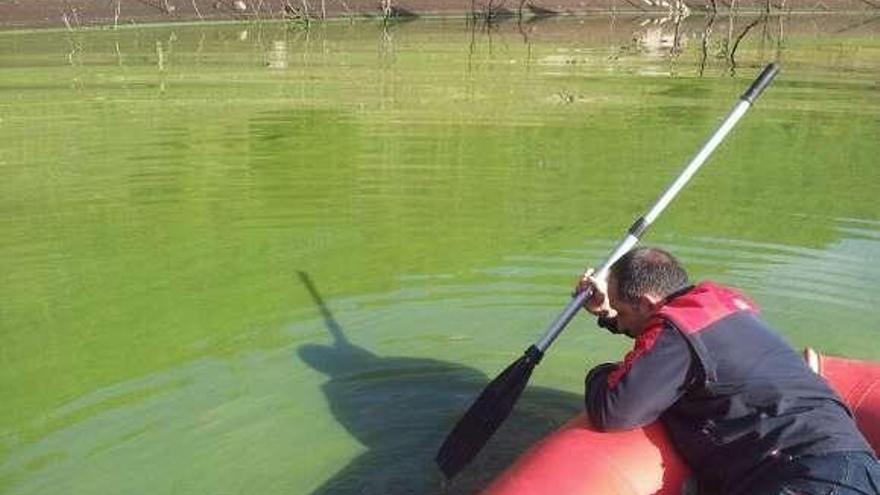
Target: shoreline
x,y
39,14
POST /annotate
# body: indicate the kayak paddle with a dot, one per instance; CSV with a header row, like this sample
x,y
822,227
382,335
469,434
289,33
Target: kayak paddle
x,y
496,401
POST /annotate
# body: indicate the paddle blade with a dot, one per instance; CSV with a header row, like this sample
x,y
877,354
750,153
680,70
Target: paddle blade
x,y
486,414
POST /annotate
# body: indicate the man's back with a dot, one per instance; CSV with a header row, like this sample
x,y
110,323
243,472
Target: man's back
x,y
734,396
753,400
741,406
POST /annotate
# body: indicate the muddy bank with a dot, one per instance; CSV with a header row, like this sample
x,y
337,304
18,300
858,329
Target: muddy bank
x,y
76,13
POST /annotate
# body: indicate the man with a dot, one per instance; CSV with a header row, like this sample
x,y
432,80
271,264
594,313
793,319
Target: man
x,y
741,406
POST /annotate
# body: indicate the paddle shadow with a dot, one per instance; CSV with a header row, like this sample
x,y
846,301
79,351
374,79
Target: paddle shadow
x,y
401,409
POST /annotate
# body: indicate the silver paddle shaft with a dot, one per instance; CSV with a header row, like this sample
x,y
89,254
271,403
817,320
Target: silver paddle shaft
x,y
638,228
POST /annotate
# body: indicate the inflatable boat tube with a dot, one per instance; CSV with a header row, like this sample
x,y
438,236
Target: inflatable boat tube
x,y
578,460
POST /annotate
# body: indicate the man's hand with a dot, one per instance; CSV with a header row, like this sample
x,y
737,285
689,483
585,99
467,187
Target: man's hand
x,y
597,303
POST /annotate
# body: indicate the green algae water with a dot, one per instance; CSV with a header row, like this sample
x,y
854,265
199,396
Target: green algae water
x,y
258,258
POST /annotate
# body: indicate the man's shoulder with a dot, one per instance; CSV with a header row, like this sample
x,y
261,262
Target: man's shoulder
x,y
704,305
660,332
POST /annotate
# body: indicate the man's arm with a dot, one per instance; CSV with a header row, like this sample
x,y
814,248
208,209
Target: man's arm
x,y
637,391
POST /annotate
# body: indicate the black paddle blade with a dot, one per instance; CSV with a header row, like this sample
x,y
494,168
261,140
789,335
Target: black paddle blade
x,y
486,414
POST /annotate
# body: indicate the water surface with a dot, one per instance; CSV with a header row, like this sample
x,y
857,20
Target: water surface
x,y
255,258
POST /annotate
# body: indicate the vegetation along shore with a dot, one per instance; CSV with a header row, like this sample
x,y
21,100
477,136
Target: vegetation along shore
x,y
79,13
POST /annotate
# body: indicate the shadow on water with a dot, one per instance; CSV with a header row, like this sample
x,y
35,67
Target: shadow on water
x,y
401,409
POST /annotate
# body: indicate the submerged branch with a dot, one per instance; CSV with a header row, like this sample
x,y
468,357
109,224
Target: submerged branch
x,y
740,38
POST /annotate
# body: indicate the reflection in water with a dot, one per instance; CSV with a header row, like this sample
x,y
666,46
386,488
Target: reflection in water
x,y
662,36
400,409
657,40
278,55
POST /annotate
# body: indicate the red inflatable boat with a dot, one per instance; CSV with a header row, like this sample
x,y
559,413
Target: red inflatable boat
x,y
577,460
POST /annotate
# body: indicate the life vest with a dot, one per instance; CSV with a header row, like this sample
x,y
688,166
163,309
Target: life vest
x,y
752,400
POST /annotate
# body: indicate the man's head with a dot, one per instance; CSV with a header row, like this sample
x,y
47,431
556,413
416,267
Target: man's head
x,y
639,282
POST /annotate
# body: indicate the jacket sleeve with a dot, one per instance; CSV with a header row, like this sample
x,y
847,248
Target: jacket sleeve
x,y
637,391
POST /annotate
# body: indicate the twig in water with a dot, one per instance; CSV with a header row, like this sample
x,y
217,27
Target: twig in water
x,y
731,20
740,38
675,49
707,34
196,8
634,4
859,24
296,15
256,10
160,55
386,12
165,7
75,46
306,16
347,9
74,15
780,38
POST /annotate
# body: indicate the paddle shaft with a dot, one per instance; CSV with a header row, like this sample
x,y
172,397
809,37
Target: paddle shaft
x,y
643,223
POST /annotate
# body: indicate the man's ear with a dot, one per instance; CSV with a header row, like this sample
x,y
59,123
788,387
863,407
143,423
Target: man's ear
x,y
650,302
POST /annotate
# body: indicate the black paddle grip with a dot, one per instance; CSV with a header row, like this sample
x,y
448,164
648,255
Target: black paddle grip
x,y
638,228
760,84
534,354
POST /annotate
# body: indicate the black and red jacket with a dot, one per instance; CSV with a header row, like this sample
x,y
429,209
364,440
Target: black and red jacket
x,y
733,395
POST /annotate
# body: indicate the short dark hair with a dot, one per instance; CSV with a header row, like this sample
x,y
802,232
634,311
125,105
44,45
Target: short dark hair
x,y
648,270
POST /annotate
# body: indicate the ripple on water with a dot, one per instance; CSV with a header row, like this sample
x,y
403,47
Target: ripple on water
x,y
844,274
